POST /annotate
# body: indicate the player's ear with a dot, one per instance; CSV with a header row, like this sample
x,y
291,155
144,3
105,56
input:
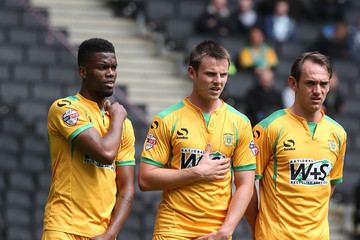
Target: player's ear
x,y
292,82
82,72
191,72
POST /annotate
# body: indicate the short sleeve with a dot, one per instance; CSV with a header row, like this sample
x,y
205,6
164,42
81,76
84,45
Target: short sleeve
x,y
264,149
245,151
126,153
68,119
157,148
336,174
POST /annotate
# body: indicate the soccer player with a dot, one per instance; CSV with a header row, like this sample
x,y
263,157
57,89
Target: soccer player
x,y
92,154
300,159
193,151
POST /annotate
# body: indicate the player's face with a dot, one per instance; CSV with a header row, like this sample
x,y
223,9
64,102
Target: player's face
x,y
210,79
312,87
99,74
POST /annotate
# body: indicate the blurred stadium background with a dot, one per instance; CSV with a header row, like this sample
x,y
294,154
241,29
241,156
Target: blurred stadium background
x,y
38,44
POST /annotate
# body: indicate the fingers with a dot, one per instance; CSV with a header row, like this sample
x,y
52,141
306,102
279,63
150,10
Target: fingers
x,y
107,104
207,149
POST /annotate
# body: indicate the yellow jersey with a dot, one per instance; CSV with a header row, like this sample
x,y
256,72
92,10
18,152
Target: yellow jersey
x,y
82,192
177,139
296,164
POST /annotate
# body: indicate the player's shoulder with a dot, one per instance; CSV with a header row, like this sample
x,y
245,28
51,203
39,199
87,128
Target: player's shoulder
x,y
273,119
172,110
334,124
65,102
236,114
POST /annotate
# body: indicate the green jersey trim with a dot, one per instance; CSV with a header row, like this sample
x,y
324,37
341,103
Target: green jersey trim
x,y
335,181
171,109
275,115
329,119
151,162
275,158
258,176
79,130
207,117
312,126
73,98
247,167
125,163
233,110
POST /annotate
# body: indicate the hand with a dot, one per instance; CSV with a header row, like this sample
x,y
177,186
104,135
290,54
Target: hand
x,y
214,236
115,109
212,169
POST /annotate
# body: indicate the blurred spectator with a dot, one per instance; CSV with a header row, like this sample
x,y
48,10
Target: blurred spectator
x,y
262,99
335,43
257,54
244,17
335,101
355,41
216,19
279,26
288,96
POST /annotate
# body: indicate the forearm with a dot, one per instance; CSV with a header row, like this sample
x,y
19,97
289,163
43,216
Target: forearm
x,y
244,183
120,213
252,211
153,179
237,208
111,140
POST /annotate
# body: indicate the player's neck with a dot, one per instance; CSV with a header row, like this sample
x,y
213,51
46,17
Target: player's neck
x,y
308,116
88,95
205,105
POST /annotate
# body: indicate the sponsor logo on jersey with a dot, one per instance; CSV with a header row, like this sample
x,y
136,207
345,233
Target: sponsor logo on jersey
x,y
190,157
70,117
150,142
289,145
182,133
155,125
332,145
63,103
228,139
253,148
89,160
309,171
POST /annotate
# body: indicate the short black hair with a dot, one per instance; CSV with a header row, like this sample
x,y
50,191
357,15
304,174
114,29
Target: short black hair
x,y
207,48
91,46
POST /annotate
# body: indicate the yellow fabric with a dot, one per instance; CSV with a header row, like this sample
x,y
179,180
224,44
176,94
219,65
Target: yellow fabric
x,y
177,139
56,235
296,169
82,192
264,56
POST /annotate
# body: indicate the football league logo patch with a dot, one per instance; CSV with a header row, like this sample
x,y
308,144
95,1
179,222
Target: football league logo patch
x,y
150,142
70,117
253,148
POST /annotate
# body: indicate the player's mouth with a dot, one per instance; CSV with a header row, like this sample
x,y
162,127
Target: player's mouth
x,y
215,89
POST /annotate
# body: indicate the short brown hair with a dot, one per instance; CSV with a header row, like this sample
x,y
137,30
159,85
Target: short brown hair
x,y
315,57
207,48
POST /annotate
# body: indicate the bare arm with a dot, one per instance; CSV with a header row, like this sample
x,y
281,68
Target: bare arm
x,y
103,149
332,189
244,183
153,178
124,198
252,211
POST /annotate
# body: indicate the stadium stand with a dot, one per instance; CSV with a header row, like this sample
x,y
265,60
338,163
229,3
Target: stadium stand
x,y
37,65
